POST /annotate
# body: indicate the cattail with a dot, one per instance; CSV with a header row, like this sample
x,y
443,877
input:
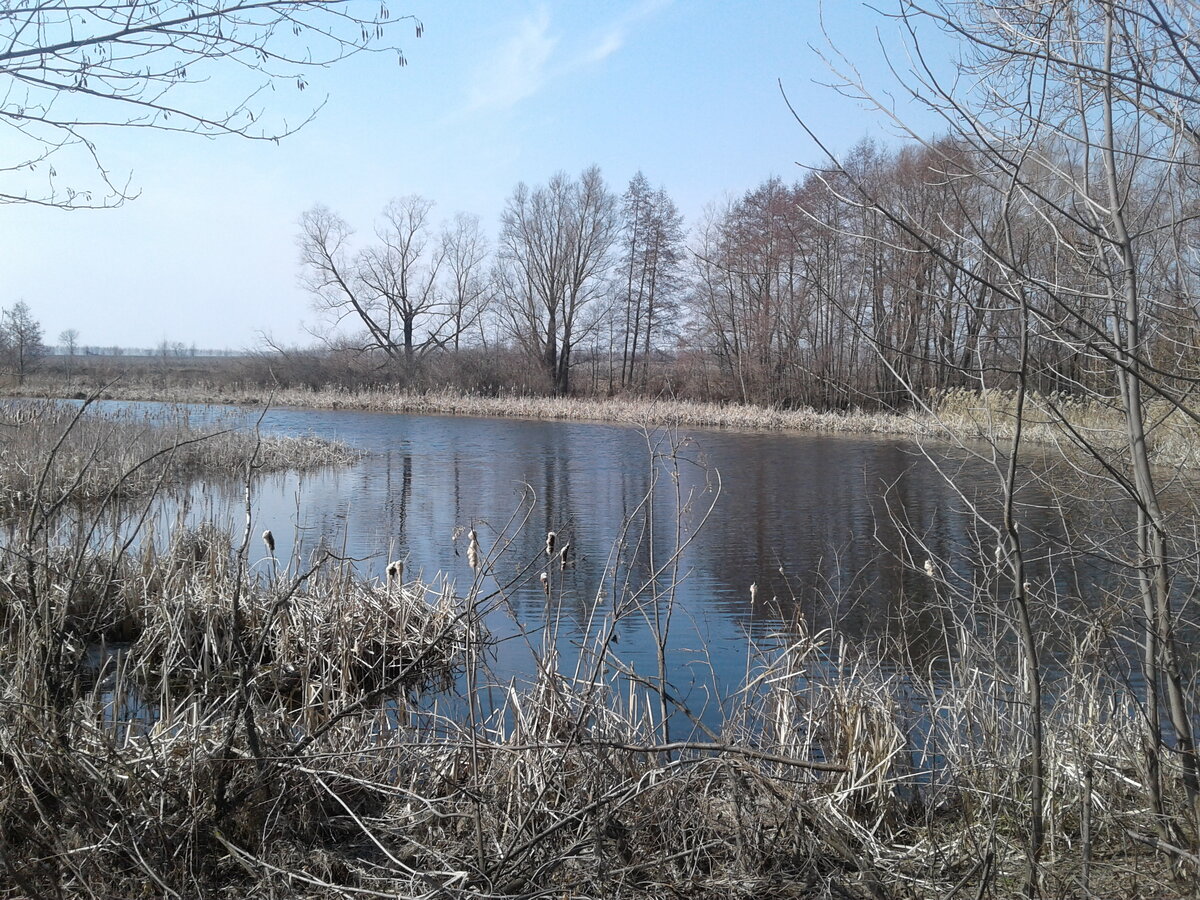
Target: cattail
x,y
395,572
562,555
753,590
269,540
551,537
546,583
929,569
473,551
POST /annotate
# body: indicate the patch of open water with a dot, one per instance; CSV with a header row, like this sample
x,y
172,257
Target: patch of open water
x,y
776,528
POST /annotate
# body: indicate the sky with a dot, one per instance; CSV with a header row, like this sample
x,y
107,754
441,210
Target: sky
x,y
493,94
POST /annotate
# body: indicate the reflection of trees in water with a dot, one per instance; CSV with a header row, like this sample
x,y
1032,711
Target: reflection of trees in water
x,y
838,535
397,493
813,516
849,521
619,535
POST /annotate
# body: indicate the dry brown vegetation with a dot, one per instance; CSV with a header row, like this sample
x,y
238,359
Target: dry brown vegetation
x,y
202,720
127,454
1056,421
621,410
1073,423
272,736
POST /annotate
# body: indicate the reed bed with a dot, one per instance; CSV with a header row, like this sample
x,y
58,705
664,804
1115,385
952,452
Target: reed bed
x,y
620,410
184,616
1065,421
159,704
302,733
129,455
193,718
958,413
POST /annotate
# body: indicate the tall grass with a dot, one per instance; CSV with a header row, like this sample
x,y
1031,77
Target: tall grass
x,y
130,455
1066,421
1053,420
665,412
312,767
161,704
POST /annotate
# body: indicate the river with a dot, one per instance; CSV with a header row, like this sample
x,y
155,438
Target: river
x,y
775,529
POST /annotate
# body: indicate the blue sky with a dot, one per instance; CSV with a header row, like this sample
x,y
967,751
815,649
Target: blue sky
x,y
493,94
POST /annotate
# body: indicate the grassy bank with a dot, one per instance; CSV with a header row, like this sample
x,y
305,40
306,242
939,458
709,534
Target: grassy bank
x,y
649,412
1064,421
59,452
1059,421
194,718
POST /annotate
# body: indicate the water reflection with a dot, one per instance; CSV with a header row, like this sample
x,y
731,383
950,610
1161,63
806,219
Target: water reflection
x,y
821,525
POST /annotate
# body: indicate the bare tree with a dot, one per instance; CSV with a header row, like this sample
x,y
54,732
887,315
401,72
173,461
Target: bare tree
x,y
555,253
329,272
465,250
1078,119
390,289
68,339
69,70
650,274
401,273
752,292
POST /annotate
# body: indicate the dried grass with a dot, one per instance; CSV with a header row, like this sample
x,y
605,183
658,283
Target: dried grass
x,y
1066,421
292,753
961,413
626,411
130,455
180,723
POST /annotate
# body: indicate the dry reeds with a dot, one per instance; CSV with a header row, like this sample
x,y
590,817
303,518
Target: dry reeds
x,y
122,454
269,735
637,412
179,722
1065,420
199,706
961,412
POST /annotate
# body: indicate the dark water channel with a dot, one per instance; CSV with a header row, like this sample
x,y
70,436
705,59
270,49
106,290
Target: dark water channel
x,y
819,525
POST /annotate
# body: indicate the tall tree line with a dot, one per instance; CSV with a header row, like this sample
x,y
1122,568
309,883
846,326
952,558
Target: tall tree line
x,y
572,261
874,282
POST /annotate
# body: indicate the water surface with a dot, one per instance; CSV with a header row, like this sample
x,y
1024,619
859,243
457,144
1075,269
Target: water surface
x,y
775,529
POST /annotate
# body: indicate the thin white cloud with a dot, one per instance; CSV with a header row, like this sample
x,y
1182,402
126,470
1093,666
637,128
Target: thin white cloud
x,y
518,70
606,47
531,58
613,39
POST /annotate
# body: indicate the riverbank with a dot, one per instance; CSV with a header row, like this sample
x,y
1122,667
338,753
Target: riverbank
x,y
1058,421
620,411
62,453
210,720
266,730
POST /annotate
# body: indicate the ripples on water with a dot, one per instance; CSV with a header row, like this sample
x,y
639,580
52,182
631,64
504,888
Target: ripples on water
x,y
821,525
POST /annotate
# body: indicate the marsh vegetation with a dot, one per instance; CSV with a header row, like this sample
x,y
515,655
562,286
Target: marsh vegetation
x,y
60,453
190,715
194,714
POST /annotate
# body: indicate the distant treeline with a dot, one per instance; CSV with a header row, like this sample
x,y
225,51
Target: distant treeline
x,y
182,351
892,276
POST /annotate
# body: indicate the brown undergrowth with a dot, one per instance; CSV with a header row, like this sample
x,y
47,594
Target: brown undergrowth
x,y
179,721
1056,421
173,725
